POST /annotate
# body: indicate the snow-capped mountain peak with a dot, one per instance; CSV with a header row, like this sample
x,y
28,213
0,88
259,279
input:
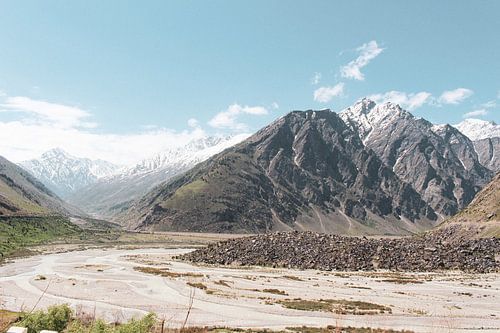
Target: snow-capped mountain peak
x,y
183,157
477,129
64,173
366,114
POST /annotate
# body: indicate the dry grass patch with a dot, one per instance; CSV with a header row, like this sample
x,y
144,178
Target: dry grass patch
x,y
165,272
275,291
341,306
197,285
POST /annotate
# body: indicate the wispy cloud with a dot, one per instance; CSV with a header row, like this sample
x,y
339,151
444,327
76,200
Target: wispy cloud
x,y
367,52
275,105
410,101
57,114
476,113
455,96
193,123
325,94
316,78
489,104
228,119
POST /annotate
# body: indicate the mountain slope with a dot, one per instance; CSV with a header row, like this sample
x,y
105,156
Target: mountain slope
x,y
21,194
65,174
110,195
486,138
439,162
481,218
488,151
306,170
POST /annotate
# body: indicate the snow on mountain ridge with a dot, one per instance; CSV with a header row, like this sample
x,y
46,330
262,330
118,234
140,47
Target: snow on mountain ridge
x,y
182,157
477,129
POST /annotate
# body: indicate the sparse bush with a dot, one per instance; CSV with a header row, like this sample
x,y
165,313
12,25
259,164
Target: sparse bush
x,y
143,325
56,318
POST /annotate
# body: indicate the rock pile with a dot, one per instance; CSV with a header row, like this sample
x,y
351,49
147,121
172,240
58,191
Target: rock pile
x,y
309,250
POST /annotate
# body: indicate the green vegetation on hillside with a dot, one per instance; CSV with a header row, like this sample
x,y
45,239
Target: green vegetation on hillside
x,y
17,233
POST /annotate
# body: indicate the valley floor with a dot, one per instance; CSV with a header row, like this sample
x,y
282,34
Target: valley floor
x,y
121,283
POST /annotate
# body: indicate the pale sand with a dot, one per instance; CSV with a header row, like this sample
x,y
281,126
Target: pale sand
x,y
104,281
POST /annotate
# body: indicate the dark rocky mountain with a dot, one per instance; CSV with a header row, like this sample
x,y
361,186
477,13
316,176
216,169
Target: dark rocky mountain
x,y
22,194
305,171
438,161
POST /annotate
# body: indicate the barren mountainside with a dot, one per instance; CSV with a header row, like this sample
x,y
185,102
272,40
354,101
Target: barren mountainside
x,y
305,171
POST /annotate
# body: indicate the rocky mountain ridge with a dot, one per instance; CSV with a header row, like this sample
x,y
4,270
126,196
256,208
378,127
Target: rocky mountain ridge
x,y
438,161
305,171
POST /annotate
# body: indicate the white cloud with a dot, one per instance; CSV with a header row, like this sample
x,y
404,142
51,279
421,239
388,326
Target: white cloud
x,y
409,101
325,94
20,141
489,104
228,119
193,123
41,126
455,96
275,105
476,113
57,114
316,78
367,52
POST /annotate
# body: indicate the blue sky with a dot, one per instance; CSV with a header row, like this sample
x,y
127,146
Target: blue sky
x,y
149,74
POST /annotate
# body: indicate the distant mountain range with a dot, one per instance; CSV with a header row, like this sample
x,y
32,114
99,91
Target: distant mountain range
x,y
22,194
108,196
65,174
369,169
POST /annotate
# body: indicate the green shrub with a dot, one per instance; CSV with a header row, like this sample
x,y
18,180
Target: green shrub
x,y
56,318
143,325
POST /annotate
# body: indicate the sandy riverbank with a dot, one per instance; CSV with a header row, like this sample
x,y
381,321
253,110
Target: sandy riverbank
x,y
105,281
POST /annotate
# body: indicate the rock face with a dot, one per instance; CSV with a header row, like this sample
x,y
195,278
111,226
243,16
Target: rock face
x,y
307,170
65,174
21,194
486,138
438,161
307,250
488,151
111,195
